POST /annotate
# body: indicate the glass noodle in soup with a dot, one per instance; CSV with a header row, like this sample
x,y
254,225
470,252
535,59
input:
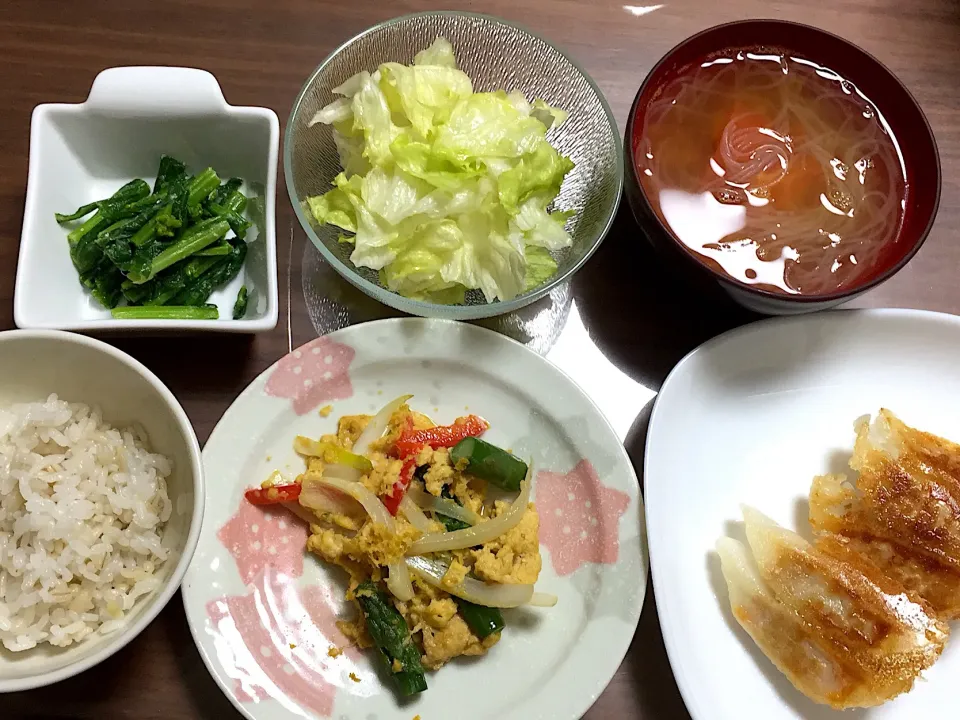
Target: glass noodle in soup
x,y
776,169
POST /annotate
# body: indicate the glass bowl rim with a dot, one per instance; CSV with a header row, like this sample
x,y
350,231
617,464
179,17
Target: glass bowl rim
x,y
419,307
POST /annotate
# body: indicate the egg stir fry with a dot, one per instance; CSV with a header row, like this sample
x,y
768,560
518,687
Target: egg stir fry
x,y
433,525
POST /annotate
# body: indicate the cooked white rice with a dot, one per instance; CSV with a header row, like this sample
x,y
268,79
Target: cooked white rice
x,y
82,511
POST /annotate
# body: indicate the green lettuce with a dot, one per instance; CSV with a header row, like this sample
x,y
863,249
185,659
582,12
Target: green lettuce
x,y
541,171
540,267
440,53
444,190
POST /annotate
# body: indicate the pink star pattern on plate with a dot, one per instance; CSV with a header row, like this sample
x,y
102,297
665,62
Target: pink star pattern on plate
x,y
579,517
254,632
259,536
254,637
314,373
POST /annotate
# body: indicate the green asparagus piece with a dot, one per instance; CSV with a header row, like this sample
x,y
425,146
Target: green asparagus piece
x,y
240,306
449,523
452,524
483,621
390,634
490,463
166,312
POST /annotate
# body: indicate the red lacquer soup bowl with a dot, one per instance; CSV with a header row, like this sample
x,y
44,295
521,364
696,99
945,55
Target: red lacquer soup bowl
x,y
897,120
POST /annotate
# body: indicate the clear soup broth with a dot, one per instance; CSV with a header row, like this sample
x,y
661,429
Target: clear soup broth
x,y
776,169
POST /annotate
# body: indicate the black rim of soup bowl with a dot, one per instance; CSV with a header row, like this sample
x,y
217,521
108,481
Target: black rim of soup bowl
x,y
661,236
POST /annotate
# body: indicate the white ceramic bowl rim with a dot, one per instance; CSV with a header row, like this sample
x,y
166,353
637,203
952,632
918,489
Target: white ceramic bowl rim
x,y
418,307
119,640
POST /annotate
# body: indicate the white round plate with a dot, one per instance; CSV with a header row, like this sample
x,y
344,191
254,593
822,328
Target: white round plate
x,y
751,417
263,612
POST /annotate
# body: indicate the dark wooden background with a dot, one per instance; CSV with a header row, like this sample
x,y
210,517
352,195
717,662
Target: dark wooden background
x,y
641,318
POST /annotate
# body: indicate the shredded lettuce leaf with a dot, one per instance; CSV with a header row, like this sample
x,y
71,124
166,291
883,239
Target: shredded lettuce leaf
x,y
540,267
443,189
440,53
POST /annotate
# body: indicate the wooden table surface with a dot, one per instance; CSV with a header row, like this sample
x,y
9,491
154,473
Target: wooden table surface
x,y
618,328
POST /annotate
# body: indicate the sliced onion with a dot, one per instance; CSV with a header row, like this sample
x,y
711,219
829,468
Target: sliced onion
x,y
443,506
301,512
398,581
478,534
471,589
377,425
330,453
319,496
412,512
371,503
343,472
540,599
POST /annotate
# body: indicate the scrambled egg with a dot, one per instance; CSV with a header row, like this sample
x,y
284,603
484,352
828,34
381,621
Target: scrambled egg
x,y
514,557
371,548
435,622
364,548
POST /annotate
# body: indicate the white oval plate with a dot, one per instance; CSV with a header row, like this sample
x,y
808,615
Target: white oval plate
x,y
263,612
751,417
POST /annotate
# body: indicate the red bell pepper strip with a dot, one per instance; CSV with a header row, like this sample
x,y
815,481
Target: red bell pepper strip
x,y
411,442
273,495
399,489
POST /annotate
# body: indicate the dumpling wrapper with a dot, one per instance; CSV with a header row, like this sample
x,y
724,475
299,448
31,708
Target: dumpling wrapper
x,y
904,510
841,631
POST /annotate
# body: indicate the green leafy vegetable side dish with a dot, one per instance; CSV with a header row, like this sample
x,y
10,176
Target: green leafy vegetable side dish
x,y
444,189
240,306
162,252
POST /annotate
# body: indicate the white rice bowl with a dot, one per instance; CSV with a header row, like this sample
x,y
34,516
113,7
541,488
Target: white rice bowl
x,y
82,511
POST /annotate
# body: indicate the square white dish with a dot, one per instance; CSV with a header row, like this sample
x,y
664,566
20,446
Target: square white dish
x,y
84,152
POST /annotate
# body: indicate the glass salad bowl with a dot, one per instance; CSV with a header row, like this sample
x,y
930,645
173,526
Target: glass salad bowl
x,y
496,55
